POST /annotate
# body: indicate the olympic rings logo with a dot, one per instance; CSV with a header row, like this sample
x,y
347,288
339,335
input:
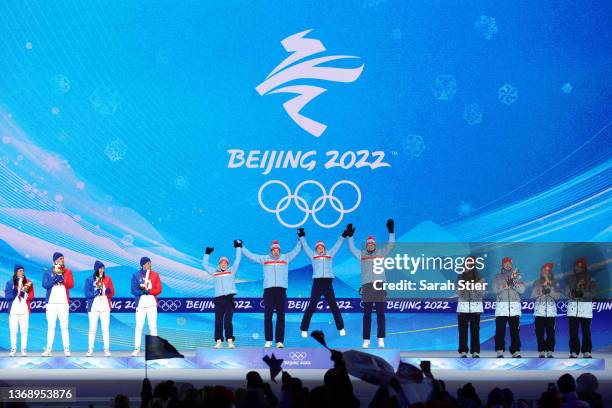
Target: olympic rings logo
x,y
297,355
303,205
74,305
169,305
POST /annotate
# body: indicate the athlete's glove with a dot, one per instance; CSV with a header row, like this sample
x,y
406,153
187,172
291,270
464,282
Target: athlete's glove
x,y
350,230
237,243
390,226
301,233
209,250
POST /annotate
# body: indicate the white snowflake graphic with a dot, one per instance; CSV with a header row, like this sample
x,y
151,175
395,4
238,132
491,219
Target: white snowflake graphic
x,y
444,87
127,240
413,145
472,114
566,88
105,100
486,26
507,94
181,183
465,208
115,149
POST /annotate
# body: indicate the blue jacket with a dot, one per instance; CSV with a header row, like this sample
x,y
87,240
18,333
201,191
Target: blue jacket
x,y
137,278
10,292
90,293
275,270
224,280
48,282
322,265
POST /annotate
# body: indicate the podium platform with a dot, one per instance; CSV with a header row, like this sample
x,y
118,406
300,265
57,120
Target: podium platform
x,y
203,358
510,364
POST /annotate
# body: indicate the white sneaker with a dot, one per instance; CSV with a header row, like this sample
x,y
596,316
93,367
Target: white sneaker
x,y
218,344
381,342
516,354
280,345
542,354
304,334
500,354
47,352
342,332
463,355
135,353
89,353
587,355
550,355
12,353
107,353
475,355
573,355
267,344
230,343
366,344
67,352
24,353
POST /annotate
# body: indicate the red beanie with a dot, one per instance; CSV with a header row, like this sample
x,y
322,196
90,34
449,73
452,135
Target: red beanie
x,y
319,243
580,262
274,245
370,240
506,260
548,265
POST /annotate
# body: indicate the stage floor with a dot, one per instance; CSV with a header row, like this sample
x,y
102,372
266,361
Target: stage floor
x,y
514,373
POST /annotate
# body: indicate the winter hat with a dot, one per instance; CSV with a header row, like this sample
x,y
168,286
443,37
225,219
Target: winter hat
x,y
548,265
275,245
580,262
224,259
56,255
98,265
144,260
17,267
506,260
320,243
370,240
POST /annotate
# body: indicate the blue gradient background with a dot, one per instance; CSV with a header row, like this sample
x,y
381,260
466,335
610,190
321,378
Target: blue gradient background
x,y
178,85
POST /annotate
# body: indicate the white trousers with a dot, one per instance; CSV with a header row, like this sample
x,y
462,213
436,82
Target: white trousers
x,y
57,311
104,325
142,313
21,322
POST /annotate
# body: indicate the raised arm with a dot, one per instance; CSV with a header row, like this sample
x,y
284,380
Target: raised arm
x,y
390,244
206,265
351,244
253,257
237,259
294,252
307,249
334,250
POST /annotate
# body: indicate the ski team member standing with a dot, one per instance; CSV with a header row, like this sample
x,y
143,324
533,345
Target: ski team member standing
x,y
146,285
580,292
99,291
275,282
508,287
322,281
225,290
469,308
369,295
546,292
19,292
58,281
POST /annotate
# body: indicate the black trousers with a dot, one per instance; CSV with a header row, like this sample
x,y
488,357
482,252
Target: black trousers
x,y
500,333
224,311
322,287
545,332
275,299
367,319
574,342
471,320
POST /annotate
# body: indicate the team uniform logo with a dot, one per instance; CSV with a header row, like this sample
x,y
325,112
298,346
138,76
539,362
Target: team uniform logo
x,y
315,68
